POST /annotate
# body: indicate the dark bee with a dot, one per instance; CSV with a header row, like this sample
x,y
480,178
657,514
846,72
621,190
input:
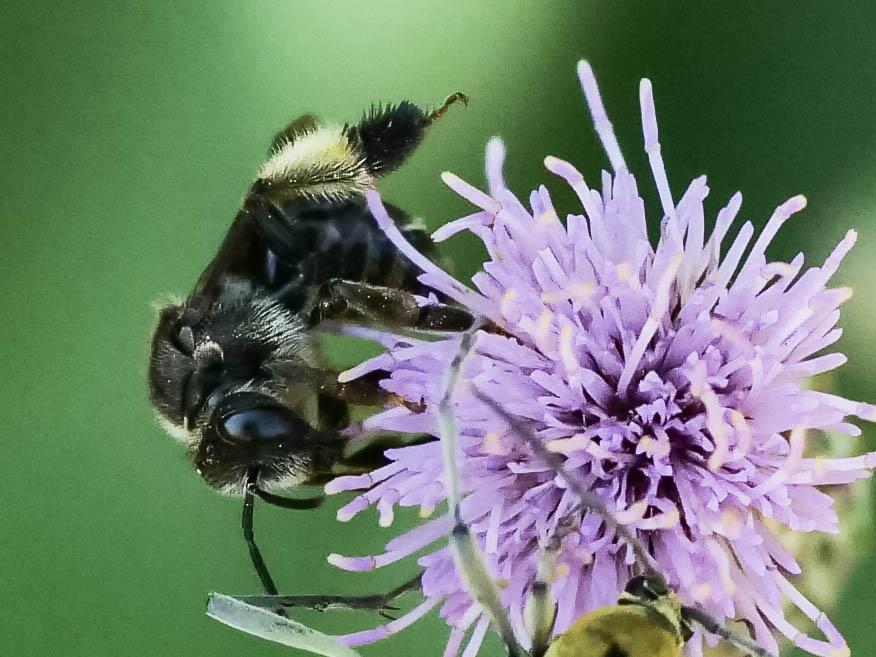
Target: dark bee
x,y
234,371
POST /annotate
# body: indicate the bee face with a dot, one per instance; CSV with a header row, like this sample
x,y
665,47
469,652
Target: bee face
x,y
230,345
213,381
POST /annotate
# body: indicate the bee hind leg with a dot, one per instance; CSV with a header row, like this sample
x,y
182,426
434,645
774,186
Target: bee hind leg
x,y
298,504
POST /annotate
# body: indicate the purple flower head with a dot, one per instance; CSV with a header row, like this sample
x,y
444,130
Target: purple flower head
x,y
671,378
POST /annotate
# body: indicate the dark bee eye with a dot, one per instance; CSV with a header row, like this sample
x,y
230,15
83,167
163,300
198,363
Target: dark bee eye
x,y
645,588
261,424
250,418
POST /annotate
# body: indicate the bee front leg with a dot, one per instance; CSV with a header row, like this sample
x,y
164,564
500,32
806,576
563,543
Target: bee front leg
x,y
255,555
251,491
351,301
333,412
367,391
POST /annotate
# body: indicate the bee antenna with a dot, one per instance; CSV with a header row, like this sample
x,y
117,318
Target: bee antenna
x,y
588,500
712,626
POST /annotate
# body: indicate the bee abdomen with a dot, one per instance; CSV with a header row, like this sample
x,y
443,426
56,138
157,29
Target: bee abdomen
x,y
307,243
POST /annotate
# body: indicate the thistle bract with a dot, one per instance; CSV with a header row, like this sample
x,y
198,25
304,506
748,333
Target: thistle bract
x,y
671,377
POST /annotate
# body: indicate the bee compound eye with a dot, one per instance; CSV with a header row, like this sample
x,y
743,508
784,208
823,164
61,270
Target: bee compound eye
x,y
261,425
640,587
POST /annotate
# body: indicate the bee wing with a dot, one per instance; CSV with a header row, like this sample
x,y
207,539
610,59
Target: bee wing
x,y
304,243
239,253
296,127
268,625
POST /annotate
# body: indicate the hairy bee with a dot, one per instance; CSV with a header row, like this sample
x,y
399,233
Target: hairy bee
x,y
234,371
647,620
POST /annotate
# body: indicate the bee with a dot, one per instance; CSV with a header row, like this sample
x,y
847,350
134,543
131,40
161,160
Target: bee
x,y
648,620
234,371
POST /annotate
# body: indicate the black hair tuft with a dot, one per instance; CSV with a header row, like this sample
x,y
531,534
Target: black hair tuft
x,y
387,135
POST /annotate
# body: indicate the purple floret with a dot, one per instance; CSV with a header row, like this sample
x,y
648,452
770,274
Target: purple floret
x,y
672,378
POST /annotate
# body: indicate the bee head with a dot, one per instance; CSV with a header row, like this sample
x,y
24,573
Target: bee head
x,y
201,353
653,593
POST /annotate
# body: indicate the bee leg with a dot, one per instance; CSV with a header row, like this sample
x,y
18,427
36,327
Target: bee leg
x,y
381,603
255,554
366,391
372,455
299,504
466,554
386,136
711,625
333,414
352,301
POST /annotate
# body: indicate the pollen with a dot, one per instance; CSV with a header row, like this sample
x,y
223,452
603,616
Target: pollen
x,y
560,570
576,292
582,291
776,269
656,449
542,327
568,445
508,299
547,217
731,523
635,512
845,294
701,592
492,444
567,349
666,520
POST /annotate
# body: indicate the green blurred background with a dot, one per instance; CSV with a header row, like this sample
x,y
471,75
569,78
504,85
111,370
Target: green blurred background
x,y
129,133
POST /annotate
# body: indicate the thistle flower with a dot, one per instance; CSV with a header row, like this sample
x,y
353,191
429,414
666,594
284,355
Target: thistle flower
x,y
669,376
